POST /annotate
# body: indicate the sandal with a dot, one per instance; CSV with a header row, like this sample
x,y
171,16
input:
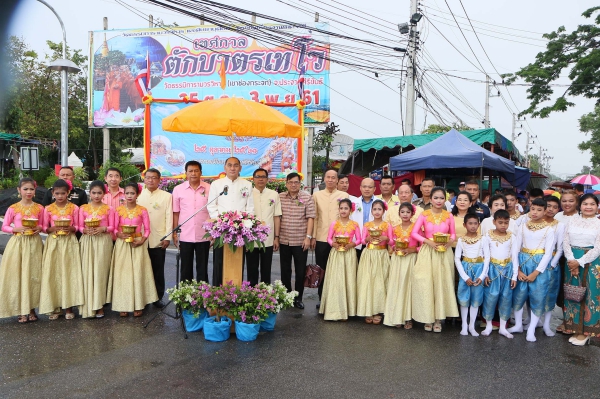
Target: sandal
x,y
408,325
368,320
138,313
22,319
69,316
437,327
32,317
428,327
123,314
377,319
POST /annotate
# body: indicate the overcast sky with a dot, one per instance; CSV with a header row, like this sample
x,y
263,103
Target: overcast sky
x,y
509,30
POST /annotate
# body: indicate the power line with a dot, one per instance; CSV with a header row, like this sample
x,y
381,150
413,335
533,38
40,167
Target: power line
x,y
465,37
486,23
188,39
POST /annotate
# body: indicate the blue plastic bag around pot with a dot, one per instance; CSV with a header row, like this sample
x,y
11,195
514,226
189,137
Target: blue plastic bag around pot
x,y
217,331
193,324
246,332
269,323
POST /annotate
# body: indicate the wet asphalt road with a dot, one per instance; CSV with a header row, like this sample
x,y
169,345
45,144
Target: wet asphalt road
x,y
304,357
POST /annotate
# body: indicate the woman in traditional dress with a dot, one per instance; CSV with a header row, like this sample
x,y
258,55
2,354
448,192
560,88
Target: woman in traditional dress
x,y
96,249
131,282
433,295
374,266
462,206
398,304
21,267
568,204
338,300
582,249
62,281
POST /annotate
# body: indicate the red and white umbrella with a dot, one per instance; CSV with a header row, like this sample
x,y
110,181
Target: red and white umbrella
x,y
586,180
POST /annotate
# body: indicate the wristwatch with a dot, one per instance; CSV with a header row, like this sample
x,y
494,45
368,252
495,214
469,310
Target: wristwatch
x,y
309,236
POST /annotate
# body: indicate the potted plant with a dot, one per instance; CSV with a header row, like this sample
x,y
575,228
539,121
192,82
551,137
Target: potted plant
x,y
250,306
237,229
218,300
187,295
284,298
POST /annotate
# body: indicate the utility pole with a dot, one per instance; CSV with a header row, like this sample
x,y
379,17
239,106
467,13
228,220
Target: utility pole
x,y
410,76
514,127
150,21
105,130
486,121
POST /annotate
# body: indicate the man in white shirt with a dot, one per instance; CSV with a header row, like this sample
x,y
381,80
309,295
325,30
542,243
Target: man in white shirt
x,y
159,205
267,207
239,198
363,214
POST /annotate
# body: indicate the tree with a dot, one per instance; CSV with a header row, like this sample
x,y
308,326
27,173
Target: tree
x,y
323,141
590,123
33,105
579,53
443,128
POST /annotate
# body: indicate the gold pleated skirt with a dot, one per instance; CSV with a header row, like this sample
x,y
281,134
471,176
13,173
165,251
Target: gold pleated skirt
x,y
338,300
20,275
96,256
62,281
131,282
371,282
433,296
398,303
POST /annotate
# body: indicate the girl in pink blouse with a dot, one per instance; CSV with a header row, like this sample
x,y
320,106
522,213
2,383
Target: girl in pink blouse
x,y
374,266
433,296
21,265
96,222
398,303
62,281
338,300
131,282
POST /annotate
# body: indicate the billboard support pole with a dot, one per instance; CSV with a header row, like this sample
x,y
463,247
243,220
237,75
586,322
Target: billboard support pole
x,y
105,131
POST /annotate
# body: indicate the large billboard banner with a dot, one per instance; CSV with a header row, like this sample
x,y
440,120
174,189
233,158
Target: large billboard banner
x,y
169,151
196,62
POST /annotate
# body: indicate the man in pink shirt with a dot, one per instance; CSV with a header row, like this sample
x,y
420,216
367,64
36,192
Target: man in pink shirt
x,y
188,197
115,195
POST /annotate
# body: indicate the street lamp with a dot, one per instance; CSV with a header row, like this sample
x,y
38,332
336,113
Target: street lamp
x,y
64,66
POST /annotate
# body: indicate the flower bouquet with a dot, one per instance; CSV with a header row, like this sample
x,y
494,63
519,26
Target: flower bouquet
x,y
237,229
218,301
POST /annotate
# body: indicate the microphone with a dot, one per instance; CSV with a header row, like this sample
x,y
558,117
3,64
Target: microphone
x,y
225,189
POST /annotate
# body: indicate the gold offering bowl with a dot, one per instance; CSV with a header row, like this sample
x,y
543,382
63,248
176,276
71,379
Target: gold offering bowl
x,y
128,229
93,222
30,223
342,241
375,234
441,238
400,245
62,223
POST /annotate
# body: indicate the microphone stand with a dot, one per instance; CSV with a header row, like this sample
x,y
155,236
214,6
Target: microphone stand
x,y
177,261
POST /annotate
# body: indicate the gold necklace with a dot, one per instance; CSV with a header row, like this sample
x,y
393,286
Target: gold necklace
x,y
499,239
26,209
471,240
535,226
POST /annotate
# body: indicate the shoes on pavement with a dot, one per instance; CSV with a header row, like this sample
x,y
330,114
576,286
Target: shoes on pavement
x,y
318,305
159,304
299,305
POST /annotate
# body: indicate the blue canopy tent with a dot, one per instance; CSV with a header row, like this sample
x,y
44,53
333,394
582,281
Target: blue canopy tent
x,y
453,151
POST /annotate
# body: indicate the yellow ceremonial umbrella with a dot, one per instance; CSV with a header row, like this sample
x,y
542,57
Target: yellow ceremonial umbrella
x,y
232,116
